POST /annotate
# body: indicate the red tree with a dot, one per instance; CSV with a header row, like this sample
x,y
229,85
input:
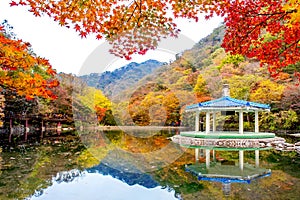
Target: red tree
x,y
262,30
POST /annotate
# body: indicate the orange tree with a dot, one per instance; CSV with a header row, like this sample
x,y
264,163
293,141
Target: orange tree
x,y
21,71
264,29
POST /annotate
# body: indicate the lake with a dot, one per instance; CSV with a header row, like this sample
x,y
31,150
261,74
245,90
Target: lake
x,y
139,164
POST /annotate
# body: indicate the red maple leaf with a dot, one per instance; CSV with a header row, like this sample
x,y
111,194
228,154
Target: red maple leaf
x,y
77,27
22,3
98,37
83,34
13,3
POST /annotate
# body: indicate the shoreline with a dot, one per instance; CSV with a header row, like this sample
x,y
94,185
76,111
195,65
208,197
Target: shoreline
x,y
141,128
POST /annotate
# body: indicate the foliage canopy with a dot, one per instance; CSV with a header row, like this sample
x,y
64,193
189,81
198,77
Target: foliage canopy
x,y
267,30
21,70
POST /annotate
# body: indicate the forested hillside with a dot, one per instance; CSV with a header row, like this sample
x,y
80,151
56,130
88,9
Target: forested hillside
x,y
198,75
121,79
155,93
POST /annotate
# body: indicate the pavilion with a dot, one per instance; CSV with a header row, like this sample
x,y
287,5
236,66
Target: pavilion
x,y
210,140
226,103
226,139
231,105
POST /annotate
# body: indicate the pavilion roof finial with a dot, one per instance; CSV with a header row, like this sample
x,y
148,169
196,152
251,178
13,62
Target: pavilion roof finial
x,y
225,91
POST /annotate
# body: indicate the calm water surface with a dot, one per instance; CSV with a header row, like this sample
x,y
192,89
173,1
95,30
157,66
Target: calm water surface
x,y
117,165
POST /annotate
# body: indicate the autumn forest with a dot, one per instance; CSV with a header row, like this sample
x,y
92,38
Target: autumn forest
x,y
157,97
126,133
255,51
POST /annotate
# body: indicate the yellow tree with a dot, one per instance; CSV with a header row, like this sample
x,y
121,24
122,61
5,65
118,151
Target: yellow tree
x,y
201,91
293,7
267,91
96,102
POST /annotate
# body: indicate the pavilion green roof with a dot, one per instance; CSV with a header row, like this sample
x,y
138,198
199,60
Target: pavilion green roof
x,y
227,103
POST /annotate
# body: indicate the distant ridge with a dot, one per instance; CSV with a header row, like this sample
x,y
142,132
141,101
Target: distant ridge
x,y
122,78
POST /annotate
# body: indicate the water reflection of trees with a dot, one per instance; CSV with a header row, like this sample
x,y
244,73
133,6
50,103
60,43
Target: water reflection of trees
x,y
67,176
27,173
121,150
145,147
136,154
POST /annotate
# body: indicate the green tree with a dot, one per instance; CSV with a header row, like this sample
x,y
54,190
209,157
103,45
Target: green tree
x,y
241,86
233,59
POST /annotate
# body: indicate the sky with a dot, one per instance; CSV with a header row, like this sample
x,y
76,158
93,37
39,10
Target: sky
x,y
98,186
69,53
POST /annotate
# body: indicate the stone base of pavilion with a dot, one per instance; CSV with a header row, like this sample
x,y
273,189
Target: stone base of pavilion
x,y
227,139
228,135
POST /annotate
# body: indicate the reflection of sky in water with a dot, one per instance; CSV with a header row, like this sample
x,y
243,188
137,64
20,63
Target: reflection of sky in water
x,y
93,186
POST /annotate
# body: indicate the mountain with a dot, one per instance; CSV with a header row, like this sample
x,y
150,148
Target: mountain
x,y
157,95
121,79
198,75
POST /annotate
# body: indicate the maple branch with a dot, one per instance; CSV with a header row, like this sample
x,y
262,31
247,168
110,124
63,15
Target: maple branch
x,y
140,7
289,46
277,13
140,16
257,26
127,8
136,5
272,14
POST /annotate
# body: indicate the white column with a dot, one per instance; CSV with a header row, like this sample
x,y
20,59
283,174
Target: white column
x,y
207,124
241,122
256,122
207,158
256,158
201,153
197,121
197,154
214,121
241,160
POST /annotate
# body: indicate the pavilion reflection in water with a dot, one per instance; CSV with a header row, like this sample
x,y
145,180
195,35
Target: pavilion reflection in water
x,y
210,140
226,171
